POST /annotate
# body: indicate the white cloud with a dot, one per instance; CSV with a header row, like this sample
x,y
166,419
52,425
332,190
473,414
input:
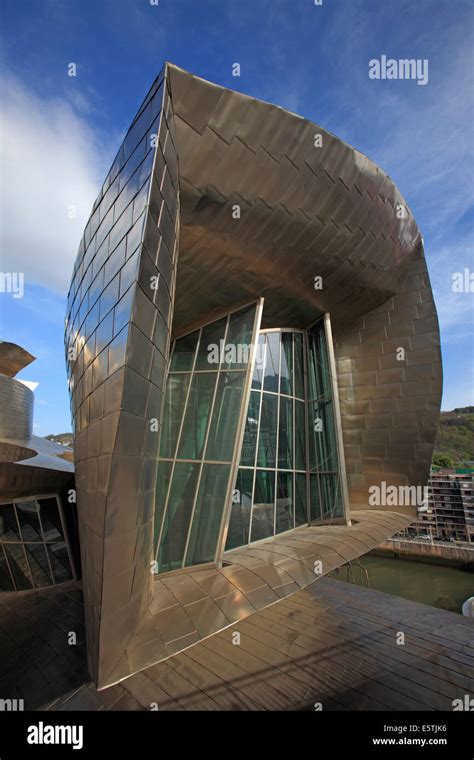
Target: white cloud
x,y
51,160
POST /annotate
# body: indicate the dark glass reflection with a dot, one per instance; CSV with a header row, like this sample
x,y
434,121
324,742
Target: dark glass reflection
x,y
177,517
284,502
196,419
208,415
263,511
267,439
38,555
211,346
176,392
183,353
207,516
251,429
225,416
280,420
239,524
272,362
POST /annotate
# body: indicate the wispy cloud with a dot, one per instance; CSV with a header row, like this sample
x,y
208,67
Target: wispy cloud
x,y
52,165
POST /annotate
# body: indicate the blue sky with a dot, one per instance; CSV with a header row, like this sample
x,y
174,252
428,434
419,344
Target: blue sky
x,y
60,133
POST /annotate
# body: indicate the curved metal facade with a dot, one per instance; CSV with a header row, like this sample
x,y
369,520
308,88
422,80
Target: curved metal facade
x,y
215,200
29,465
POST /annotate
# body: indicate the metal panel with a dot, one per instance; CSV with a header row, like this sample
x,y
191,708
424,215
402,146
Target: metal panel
x,y
305,211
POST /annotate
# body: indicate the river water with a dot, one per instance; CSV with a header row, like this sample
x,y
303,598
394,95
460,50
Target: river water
x,y
436,585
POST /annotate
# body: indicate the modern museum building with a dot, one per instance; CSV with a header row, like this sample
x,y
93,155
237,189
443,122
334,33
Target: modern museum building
x,y
252,348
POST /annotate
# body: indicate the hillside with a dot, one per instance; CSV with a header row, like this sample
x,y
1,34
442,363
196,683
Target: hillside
x,y
455,439
63,438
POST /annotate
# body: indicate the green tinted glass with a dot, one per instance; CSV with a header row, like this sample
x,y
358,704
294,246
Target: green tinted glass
x,y
211,345
314,503
238,533
268,431
247,456
299,365
284,502
300,442
197,415
331,496
208,514
175,398
300,499
285,434
263,511
183,353
272,362
239,338
225,416
162,482
259,363
177,517
286,370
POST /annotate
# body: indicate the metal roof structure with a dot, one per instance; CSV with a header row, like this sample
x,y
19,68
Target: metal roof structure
x,y
215,201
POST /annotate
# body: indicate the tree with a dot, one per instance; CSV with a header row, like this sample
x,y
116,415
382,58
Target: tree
x,y
443,460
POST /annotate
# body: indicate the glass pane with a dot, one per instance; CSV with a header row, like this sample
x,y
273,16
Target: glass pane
x,y
39,566
300,442
284,502
6,581
162,482
263,511
211,346
300,499
239,337
285,434
286,370
319,378
251,427
28,517
175,400
51,520
299,365
314,507
9,530
225,416
208,514
178,515
59,559
18,566
183,354
259,363
268,430
322,443
239,524
331,496
312,367
197,415
270,380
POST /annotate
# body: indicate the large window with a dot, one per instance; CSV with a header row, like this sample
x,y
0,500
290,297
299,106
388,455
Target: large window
x,y
34,549
270,490
289,472
204,404
325,488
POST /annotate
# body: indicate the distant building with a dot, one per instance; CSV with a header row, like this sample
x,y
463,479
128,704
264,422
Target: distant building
x,y
449,513
38,527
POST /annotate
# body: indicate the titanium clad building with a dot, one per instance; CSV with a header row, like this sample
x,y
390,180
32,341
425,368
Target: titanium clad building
x,y
252,345
38,527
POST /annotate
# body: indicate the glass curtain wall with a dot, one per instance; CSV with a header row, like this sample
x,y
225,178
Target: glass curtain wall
x,y
34,551
325,485
270,491
203,405
288,474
